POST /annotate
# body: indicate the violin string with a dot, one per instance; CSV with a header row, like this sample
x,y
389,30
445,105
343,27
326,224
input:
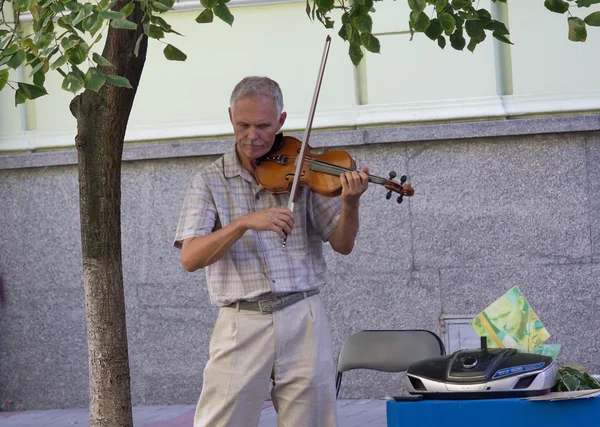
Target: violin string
x,y
331,169
337,170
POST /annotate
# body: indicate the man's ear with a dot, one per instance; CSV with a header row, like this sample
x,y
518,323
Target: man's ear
x,y
230,115
282,119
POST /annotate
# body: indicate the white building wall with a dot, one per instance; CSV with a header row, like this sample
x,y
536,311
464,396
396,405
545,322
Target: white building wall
x,y
409,82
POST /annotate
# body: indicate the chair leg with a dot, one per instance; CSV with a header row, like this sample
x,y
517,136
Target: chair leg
x,y
338,384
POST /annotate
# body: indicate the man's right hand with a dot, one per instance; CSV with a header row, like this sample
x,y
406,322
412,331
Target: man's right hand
x,y
278,220
199,252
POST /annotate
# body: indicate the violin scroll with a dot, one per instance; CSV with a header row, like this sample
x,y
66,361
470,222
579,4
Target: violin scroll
x,y
402,189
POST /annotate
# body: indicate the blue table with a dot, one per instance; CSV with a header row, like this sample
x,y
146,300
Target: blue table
x,y
494,413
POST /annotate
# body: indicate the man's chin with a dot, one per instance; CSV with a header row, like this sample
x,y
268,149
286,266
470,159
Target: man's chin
x,y
254,152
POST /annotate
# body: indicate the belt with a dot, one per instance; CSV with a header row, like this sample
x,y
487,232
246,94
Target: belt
x,y
270,305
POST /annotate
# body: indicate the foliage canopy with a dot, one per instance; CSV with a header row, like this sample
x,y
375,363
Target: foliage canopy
x,y
62,33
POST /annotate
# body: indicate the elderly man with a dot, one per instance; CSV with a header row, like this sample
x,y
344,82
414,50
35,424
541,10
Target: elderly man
x,y
271,324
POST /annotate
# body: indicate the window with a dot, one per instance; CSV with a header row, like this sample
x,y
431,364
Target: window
x,y
457,333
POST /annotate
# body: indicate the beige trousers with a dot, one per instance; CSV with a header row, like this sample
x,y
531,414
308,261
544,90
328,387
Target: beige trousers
x,y
291,347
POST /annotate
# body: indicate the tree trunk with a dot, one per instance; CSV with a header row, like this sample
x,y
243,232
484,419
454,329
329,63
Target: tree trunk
x,y
101,124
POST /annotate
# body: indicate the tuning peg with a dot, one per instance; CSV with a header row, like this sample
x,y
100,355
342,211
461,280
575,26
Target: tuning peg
x,y
403,179
399,199
388,195
392,175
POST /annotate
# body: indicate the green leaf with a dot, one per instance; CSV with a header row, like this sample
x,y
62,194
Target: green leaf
x,y
84,12
484,15
370,42
558,6
127,9
32,91
118,81
123,24
497,27
3,78
362,23
475,30
60,61
345,18
160,6
205,17
571,382
589,380
419,21
209,4
577,30
586,3
39,78
460,4
352,34
441,41
78,53
157,20
73,6
9,51
472,45
459,20
355,53
593,19
94,79
325,5
447,21
434,30
72,83
308,9
501,37
105,5
89,22
174,54
111,14
156,32
100,60
440,5
96,26
16,60
342,32
136,50
222,12
20,97
57,8
417,5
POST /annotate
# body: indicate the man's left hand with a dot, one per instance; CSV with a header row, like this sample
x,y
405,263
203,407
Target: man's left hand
x,y
354,184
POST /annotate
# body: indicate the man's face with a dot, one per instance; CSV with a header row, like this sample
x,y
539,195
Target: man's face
x,y
255,123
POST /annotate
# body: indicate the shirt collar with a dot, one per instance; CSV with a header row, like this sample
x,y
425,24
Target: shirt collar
x,y
232,166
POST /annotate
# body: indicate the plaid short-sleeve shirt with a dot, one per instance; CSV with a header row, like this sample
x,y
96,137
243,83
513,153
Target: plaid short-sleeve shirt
x,y
256,266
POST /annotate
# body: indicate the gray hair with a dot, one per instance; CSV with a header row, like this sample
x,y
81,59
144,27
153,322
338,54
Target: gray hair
x,y
258,86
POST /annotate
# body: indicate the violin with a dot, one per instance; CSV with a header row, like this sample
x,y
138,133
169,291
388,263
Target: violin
x,y
289,165
276,171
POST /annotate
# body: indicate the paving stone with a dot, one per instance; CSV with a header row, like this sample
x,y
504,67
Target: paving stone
x,y
351,413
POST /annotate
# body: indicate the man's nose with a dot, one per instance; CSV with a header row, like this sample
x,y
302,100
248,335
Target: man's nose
x,y
252,135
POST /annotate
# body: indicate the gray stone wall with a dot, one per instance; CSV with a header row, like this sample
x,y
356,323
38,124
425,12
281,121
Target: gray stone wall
x,y
497,204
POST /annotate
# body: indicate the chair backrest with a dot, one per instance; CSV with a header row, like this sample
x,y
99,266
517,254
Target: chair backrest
x,y
388,351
